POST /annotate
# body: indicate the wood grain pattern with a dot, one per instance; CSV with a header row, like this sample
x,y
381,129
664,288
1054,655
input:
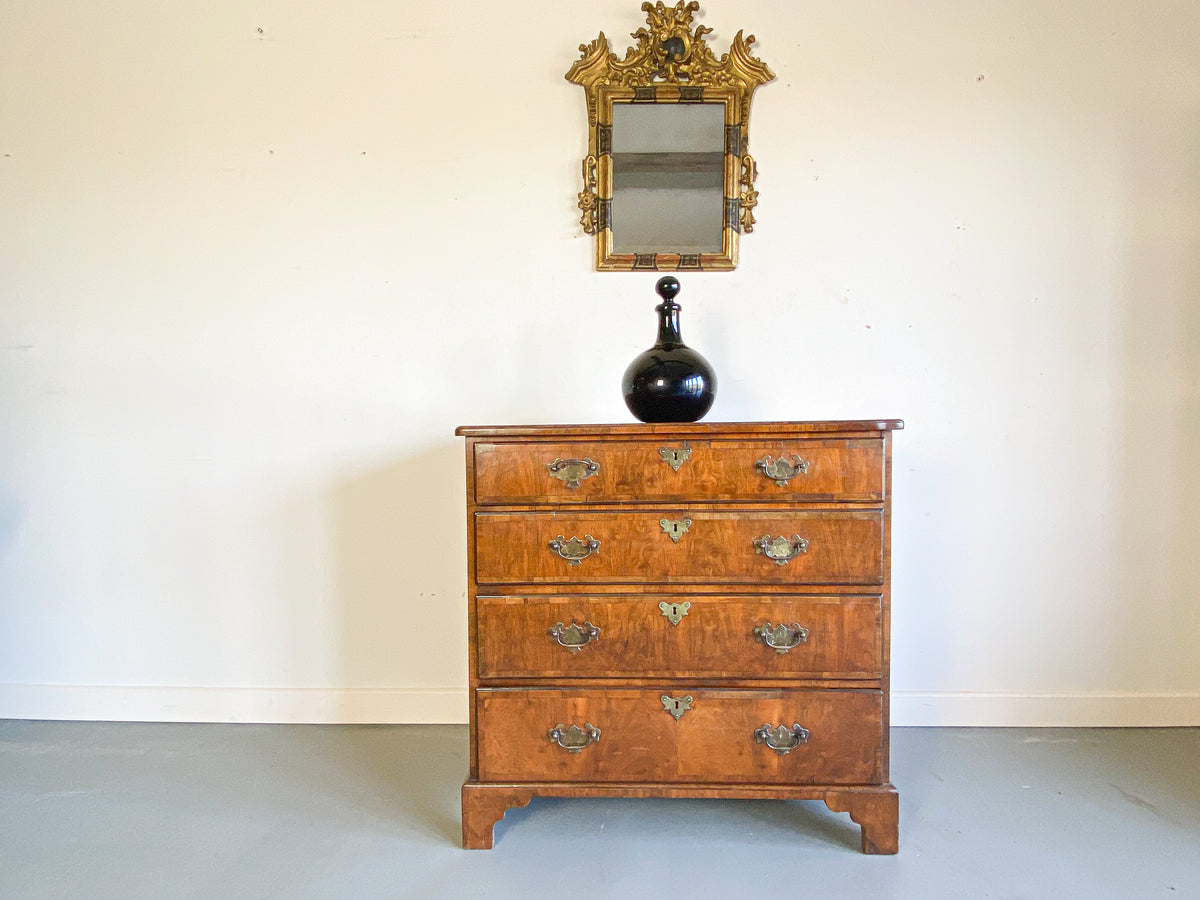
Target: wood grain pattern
x,y
843,469
836,685
482,809
874,807
866,427
844,547
878,813
712,741
715,638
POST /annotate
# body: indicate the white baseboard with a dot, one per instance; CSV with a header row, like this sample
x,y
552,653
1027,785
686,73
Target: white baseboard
x,y
446,706
316,706
1087,709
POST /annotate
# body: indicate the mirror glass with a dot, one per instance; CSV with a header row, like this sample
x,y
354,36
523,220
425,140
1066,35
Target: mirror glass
x,y
668,171
668,182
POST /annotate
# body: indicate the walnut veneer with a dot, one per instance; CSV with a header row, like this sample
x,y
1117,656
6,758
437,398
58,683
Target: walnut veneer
x,y
692,610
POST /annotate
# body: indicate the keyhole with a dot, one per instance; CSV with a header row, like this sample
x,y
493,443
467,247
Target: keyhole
x,y
674,611
675,529
676,706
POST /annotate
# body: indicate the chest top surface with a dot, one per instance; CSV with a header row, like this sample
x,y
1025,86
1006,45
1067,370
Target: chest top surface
x,y
697,429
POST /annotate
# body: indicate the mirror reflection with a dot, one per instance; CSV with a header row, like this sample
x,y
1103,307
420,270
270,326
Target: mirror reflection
x,y
668,171
668,182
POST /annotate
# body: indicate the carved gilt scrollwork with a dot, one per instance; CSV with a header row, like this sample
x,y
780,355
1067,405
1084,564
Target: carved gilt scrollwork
x,y
669,63
748,197
670,51
589,201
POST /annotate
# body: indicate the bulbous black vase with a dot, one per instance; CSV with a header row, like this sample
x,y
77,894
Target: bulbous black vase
x,y
670,382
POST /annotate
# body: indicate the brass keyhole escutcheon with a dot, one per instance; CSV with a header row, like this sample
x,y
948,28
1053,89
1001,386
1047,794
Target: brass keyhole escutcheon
x,y
676,706
676,528
676,456
674,611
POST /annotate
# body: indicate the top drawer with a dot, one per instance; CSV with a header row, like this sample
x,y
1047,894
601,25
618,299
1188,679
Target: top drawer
x,y
700,470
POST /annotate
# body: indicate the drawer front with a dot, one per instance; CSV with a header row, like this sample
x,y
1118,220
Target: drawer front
x,y
630,735
600,547
631,471
674,635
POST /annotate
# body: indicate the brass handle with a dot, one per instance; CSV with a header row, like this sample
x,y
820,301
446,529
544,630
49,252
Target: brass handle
x,y
573,636
573,738
781,549
572,471
575,551
782,740
780,470
782,638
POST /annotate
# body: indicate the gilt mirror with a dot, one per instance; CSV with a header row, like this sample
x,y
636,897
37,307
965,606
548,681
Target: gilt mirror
x,y
667,180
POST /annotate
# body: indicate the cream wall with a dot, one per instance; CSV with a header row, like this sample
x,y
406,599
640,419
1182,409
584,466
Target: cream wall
x,y
250,282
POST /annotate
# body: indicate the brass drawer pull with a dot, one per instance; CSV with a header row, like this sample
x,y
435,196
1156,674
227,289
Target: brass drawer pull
x,y
675,457
572,471
781,549
574,551
575,637
782,740
782,638
780,470
573,738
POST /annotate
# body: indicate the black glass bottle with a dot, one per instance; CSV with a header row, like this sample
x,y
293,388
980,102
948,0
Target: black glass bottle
x,y
670,382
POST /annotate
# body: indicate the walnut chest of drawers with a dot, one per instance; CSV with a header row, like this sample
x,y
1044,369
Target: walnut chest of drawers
x,y
684,610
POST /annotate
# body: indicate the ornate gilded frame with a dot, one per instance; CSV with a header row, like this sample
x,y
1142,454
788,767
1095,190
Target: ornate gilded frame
x,y
671,63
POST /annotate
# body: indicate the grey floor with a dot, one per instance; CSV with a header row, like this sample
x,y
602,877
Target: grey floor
x,y
131,811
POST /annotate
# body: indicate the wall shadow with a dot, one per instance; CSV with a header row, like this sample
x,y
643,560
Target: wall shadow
x,y
400,609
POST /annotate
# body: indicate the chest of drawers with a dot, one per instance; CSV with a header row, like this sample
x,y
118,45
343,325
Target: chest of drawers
x,y
684,610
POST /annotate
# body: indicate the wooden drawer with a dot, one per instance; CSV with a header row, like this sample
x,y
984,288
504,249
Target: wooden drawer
x,y
714,637
713,740
632,471
844,547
